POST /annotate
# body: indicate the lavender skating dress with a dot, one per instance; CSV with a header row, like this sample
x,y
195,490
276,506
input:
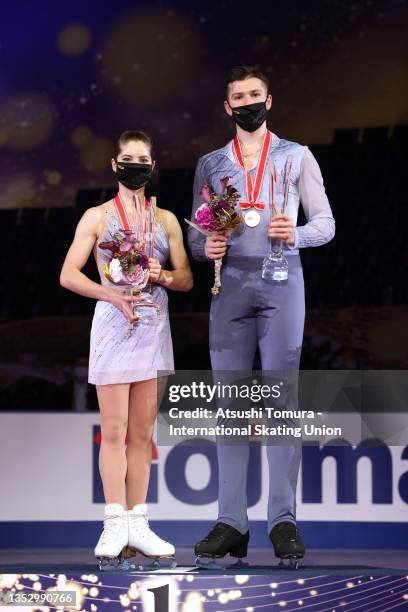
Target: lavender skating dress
x,y
115,357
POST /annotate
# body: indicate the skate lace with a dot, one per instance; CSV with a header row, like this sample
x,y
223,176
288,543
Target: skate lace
x,y
141,525
111,528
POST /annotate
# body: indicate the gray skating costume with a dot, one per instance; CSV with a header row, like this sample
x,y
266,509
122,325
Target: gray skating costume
x,y
250,313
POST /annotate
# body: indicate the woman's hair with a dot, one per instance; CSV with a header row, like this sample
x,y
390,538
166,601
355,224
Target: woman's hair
x,y
129,135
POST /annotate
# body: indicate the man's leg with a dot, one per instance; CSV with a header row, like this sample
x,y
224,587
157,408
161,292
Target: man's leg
x,y
280,324
233,344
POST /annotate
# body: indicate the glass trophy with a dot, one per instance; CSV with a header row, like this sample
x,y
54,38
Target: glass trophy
x,y
275,268
147,309
275,265
144,229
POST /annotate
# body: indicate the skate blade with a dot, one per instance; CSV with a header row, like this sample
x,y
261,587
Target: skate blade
x,y
155,565
112,564
239,563
291,563
209,563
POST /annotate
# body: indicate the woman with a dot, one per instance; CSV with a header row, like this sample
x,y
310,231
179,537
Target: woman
x,y
124,364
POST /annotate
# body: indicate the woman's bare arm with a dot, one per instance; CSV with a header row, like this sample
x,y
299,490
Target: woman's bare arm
x,y
181,277
71,276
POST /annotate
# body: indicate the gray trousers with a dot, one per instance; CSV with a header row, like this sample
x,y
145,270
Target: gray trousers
x,y
249,313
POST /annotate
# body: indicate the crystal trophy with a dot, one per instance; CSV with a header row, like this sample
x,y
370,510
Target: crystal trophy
x,y
146,309
275,268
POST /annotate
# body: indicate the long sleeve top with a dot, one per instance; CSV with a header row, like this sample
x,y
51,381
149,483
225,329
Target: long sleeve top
x,y
306,187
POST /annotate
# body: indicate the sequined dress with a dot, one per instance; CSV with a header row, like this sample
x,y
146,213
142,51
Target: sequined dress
x,y
114,356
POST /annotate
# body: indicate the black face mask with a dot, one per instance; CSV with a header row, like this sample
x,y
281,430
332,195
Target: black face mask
x,y
251,116
133,175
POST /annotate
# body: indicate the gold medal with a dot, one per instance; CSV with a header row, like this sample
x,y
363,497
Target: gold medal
x,y
252,218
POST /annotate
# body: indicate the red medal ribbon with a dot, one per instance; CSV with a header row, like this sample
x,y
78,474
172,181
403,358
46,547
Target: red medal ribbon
x,y
124,219
258,205
253,190
121,210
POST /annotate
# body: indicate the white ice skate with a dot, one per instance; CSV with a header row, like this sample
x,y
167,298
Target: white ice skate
x,y
143,540
114,538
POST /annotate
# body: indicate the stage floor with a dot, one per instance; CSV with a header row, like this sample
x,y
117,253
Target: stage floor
x,y
261,561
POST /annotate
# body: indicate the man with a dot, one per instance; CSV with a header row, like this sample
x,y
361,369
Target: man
x,y
250,312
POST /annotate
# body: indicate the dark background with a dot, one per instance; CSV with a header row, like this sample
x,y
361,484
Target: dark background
x,y
74,76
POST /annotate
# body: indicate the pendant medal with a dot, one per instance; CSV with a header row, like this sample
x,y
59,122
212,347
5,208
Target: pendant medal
x,y
252,218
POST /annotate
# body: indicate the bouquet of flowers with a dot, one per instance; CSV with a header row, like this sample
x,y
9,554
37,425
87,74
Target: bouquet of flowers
x,y
128,263
217,214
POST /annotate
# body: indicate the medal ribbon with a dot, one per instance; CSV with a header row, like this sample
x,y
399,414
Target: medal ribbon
x,y
122,214
124,219
253,189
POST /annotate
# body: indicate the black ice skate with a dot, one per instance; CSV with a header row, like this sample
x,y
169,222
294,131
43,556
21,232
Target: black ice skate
x,y
221,540
287,544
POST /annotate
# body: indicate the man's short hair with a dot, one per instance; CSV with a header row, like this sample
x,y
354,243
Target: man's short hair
x,y
240,73
137,135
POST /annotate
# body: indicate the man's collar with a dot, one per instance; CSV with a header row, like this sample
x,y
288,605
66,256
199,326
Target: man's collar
x,y
227,150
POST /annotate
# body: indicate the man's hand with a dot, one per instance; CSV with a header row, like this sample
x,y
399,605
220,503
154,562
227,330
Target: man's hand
x,y
282,227
216,246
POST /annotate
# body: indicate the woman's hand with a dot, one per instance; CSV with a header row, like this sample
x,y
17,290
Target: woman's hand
x,y
282,227
124,303
216,246
155,270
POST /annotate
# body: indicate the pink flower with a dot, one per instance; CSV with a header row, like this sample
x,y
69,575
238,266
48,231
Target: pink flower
x,y
205,193
125,247
136,277
205,218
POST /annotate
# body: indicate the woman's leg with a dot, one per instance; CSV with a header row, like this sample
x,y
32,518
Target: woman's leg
x,y
142,415
113,406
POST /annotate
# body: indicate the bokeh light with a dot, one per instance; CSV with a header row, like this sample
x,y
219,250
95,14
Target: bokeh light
x,y
53,177
7,581
149,57
26,120
192,602
241,578
80,136
18,192
74,39
96,154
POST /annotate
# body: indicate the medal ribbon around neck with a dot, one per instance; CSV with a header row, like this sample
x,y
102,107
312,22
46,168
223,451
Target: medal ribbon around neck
x,y
122,214
148,232
253,189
